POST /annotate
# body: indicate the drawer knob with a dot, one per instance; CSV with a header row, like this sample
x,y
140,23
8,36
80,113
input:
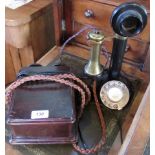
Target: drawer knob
x,y
128,47
89,13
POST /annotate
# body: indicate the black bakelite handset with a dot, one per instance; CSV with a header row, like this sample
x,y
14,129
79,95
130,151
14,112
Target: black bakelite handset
x,y
127,20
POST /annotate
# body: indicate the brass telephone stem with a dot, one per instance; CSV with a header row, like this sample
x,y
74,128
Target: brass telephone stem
x,y
93,67
95,55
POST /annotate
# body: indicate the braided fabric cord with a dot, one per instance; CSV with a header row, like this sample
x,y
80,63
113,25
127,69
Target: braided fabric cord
x,y
61,78
102,140
80,86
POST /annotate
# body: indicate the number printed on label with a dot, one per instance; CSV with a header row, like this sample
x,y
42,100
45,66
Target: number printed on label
x,y
39,114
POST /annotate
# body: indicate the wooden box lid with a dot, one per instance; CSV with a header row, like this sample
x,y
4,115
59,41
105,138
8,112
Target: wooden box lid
x,y
36,96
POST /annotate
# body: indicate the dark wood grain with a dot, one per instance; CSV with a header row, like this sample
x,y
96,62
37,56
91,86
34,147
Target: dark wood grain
x,y
68,17
9,67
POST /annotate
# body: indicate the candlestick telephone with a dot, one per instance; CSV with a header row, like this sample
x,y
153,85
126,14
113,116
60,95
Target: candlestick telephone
x,y
127,20
109,87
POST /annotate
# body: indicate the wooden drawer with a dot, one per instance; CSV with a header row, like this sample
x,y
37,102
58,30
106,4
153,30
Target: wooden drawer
x,y
136,52
101,16
101,13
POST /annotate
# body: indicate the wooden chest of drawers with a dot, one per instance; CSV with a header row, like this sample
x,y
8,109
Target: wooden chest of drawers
x,y
98,14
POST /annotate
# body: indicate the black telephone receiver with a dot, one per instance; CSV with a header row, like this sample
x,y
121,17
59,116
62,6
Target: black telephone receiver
x,y
127,20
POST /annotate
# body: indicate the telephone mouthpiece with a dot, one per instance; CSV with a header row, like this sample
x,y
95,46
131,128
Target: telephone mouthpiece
x,y
129,19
